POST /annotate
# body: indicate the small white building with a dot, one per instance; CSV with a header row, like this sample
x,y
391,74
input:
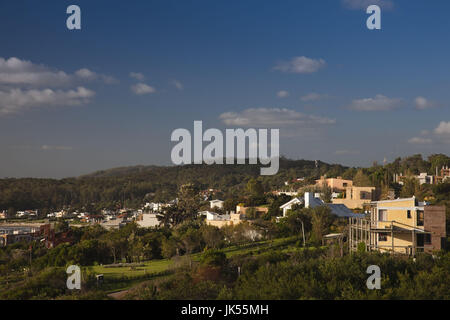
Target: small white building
x,y
425,178
147,220
288,205
311,201
216,204
209,215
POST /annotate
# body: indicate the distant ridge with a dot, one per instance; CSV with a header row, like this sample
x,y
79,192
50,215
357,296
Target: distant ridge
x,y
247,168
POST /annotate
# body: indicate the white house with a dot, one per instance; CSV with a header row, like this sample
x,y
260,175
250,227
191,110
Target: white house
x,y
288,205
311,201
147,220
216,204
425,178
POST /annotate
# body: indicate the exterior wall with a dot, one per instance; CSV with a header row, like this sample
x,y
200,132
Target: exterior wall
x,y
351,203
434,221
243,210
335,183
235,218
216,204
399,240
354,199
289,207
147,220
398,211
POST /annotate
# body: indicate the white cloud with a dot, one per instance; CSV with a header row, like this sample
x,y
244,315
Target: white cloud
x,y
379,103
178,84
301,65
86,74
417,140
273,118
14,71
137,75
363,4
60,148
443,129
25,85
282,94
142,88
313,97
17,100
422,103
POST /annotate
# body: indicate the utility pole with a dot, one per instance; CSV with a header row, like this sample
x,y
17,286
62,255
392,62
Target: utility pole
x,y
303,231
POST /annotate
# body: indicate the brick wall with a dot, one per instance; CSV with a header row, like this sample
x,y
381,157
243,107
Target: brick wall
x,y
434,222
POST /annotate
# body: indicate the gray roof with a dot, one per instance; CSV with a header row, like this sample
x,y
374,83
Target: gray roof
x,y
341,210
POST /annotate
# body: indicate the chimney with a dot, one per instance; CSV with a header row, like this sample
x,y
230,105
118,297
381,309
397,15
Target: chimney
x,y
308,199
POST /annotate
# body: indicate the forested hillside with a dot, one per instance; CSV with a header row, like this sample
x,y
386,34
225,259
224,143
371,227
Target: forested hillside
x,y
130,186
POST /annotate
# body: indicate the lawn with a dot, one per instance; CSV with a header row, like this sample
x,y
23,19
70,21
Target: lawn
x,y
125,277
148,267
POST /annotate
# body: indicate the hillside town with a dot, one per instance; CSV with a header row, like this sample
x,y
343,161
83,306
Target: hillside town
x,y
384,222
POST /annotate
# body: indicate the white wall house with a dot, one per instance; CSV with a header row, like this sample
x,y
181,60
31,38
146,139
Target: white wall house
x,y
288,205
311,201
147,220
425,178
216,204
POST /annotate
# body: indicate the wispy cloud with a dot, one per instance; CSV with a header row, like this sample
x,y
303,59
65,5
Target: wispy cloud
x,y
440,134
14,71
142,88
301,65
17,72
17,100
137,75
86,74
378,103
25,85
422,103
419,140
177,84
59,148
282,94
272,117
313,96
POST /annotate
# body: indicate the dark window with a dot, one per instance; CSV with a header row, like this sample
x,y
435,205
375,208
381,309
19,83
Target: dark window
x,y
427,239
420,218
409,214
382,237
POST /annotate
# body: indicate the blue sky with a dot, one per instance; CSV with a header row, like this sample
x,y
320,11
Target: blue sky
x,y
110,94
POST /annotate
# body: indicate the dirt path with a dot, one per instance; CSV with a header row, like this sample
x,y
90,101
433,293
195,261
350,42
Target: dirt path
x,y
118,295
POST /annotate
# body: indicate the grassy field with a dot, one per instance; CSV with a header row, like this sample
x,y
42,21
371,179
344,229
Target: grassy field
x,y
125,277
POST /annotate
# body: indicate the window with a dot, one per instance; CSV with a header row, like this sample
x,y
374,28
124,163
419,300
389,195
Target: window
x,y
420,218
409,214
345,184
427,239
382,215
382,237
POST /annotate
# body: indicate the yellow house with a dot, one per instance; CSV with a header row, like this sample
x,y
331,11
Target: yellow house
x,y
401,226
231,220
336,184
356,197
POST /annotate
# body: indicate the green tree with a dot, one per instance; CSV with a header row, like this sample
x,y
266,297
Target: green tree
x,y
321,221
361,180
